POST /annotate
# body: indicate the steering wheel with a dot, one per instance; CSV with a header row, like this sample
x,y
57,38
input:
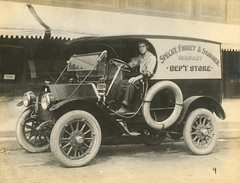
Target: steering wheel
x,y
121,63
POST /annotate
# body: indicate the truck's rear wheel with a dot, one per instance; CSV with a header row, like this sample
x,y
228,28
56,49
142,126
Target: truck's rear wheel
x,y
200,131
75,138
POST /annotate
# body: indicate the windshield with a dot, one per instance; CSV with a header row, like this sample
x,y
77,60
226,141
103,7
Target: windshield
x,y
83,62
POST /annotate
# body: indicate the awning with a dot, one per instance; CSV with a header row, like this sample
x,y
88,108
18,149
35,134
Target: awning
x,y
16,20
72,23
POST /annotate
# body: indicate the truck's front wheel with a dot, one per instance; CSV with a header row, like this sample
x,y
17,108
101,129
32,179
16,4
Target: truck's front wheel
x,y
29,138
75,138
200,131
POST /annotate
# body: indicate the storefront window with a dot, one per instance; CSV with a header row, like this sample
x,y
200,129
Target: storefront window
x,y
231,74
11,63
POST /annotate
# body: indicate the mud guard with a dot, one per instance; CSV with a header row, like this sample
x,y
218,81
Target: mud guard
x,y
206,102
62,103
177,109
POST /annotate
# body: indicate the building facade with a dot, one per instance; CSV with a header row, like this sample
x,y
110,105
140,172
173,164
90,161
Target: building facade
x,y
28,57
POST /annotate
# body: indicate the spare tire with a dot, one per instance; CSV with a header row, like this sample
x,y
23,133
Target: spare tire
x,y
177,109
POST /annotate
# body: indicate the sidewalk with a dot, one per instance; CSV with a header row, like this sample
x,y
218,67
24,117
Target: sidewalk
x,y
230,127
9,113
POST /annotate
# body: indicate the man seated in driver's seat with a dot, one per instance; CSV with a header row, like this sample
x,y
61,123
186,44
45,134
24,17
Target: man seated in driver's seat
x,y
147,62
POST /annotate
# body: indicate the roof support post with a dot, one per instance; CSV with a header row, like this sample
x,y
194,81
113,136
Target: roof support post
x,y
40,21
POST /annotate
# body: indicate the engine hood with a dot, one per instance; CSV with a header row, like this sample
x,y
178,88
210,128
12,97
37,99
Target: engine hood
x,y
64,91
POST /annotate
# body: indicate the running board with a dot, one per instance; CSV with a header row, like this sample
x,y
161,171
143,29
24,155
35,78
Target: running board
x,y
122,114
125,128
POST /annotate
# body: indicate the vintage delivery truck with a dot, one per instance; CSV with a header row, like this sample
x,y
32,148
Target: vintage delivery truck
x,y
73,115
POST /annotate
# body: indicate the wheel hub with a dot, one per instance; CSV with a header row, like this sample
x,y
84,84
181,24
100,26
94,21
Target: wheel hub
x,y
204,131
79,139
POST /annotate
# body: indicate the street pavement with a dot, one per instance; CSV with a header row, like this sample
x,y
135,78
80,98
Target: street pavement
x,y
169,162
166,163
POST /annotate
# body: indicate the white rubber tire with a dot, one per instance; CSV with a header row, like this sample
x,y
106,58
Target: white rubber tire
x,y
177,109
21,136
56,133
187,131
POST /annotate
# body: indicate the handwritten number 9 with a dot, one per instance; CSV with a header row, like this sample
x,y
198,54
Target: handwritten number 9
x,y
215,170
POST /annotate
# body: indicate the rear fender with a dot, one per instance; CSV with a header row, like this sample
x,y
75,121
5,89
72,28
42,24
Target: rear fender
x,y
206,102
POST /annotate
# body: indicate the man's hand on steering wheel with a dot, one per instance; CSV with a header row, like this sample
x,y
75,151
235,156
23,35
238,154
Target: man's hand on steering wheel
x,y
120,63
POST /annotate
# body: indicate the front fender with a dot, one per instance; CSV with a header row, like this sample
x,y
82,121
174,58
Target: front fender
x,y
64,106
60,104
206,102
100,112
68,101
25,113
